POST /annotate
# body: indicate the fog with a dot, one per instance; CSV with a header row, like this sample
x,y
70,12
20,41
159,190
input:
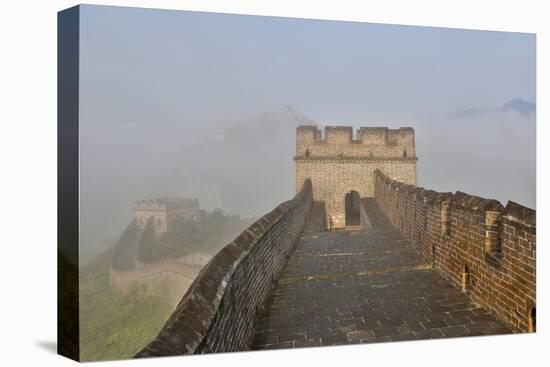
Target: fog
x,y
206,105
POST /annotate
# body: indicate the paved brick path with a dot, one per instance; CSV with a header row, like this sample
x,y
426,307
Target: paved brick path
x,y
348,287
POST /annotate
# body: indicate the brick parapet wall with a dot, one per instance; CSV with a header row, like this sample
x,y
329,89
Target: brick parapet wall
x,y
218,311
486,249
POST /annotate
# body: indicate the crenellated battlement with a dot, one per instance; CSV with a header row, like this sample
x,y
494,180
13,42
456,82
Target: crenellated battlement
x,y
166,204
163,211
368,142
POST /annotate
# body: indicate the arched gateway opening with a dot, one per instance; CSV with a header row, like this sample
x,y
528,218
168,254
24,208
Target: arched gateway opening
x,y
353,209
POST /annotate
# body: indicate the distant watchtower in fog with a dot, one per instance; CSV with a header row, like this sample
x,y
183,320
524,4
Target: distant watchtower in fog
x,y
163,211
341,168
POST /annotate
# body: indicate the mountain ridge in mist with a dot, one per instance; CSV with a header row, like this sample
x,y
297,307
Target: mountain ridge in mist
x,y
249,161
245,166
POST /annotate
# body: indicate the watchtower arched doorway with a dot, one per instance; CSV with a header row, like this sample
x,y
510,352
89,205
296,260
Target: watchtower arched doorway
x,y
353,209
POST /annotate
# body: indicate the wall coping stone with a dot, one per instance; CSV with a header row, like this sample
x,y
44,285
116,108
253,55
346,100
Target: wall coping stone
x,y
518,213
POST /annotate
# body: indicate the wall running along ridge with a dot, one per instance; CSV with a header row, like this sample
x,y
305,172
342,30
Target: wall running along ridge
x,y
486,249
166,277
218,311
131,266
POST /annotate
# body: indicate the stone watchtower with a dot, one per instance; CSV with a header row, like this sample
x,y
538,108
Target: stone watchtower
x,y
341,167
163,211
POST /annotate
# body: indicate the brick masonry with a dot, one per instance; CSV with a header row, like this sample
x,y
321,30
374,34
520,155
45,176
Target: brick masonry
x,y
481,247
218,311
338,164
364,286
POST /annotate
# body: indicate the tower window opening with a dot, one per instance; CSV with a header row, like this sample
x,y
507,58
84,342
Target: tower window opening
x,y
465,278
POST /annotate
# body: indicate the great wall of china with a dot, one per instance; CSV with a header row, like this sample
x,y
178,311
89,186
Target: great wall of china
x,y
420,264
131,264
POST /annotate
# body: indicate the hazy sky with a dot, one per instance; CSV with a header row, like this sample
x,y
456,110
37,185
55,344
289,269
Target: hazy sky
x,y
155,84
168,66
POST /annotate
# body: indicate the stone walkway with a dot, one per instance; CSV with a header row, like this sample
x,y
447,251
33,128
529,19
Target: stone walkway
x,y
347,287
